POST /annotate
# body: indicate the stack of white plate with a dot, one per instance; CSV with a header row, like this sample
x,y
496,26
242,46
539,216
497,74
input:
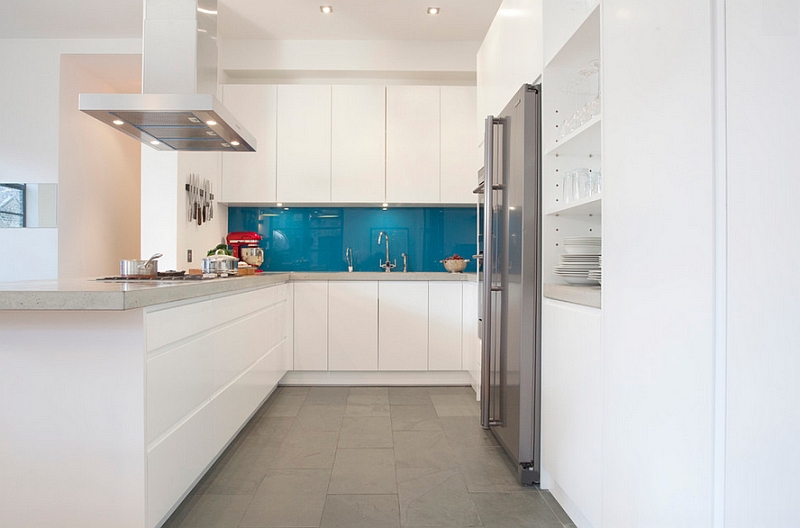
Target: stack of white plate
x,y
582,262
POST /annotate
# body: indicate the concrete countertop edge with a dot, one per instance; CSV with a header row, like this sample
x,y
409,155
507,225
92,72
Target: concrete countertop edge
x,y
55,296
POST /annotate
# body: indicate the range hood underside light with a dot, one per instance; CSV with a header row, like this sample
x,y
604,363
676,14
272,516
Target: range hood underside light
x,y
196,122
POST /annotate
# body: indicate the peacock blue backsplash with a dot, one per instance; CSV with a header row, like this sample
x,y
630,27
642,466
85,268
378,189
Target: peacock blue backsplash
x,y
315,238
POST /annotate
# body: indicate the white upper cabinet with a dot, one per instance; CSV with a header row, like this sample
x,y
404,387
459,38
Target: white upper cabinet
x,y
304,143
358,144
458,142
352,325
250,176
412,144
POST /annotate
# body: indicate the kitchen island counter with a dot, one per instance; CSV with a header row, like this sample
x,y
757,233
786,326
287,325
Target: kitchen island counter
x,y
90,294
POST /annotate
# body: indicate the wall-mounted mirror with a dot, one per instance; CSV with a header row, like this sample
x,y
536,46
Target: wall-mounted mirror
x,y
28,204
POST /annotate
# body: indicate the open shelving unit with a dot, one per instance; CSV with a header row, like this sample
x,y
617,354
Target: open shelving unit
x,y
567,87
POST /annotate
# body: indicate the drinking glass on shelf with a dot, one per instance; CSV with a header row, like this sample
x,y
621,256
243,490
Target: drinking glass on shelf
x,y
595,183
568,187
581,183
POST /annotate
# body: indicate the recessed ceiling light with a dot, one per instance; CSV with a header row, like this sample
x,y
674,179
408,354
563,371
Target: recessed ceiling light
x,y
279,204
386,205
226,145
235,143
206,11
211,123
326,9
118,122
155,142
433,10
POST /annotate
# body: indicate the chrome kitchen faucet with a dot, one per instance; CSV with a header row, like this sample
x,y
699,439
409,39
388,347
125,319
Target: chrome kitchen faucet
x,y
387,266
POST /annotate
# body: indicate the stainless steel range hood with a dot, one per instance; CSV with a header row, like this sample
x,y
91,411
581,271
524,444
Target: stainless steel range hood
x,y
178,109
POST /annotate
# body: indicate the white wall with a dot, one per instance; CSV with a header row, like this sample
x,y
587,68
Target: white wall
x,y
165,227
324,60
98,176
762,437
658,264
29,94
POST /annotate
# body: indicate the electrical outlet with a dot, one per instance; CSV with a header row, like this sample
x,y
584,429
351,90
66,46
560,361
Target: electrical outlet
x,y
188,255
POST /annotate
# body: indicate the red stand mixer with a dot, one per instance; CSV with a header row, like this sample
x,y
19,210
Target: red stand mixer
x,y
245,247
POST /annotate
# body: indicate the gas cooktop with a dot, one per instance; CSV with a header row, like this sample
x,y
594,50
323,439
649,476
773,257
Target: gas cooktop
x,y
160,278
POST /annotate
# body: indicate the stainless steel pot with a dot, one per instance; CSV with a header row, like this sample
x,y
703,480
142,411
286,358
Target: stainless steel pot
x,y
139,268
220,264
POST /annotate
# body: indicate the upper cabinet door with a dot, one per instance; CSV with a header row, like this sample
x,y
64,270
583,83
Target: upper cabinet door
x,y
358,163
304,143
250,176
458,172
412,144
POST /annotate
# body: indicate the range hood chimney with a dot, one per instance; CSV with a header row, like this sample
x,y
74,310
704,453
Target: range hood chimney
x,y
178,109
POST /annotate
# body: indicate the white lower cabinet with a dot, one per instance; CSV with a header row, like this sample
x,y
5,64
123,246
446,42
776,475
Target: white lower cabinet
x,y
403,325
311,325
203,382
444,325
572,405
353,325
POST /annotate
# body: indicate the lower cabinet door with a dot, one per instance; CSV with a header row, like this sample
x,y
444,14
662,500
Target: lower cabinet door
x,y
403,325
311,325
444,328
353,325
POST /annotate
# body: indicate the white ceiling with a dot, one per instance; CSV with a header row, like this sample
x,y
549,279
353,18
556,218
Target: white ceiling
x,y
260,19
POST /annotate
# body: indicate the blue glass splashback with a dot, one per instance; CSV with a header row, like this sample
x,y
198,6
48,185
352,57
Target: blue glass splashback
x,y
315,238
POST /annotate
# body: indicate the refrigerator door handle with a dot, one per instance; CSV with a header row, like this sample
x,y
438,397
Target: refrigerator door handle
x,y
488,264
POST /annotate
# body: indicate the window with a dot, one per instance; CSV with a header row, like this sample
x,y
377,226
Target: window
x,y
12,205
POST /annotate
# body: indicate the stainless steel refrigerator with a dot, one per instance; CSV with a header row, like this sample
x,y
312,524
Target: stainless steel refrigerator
x,y
511,279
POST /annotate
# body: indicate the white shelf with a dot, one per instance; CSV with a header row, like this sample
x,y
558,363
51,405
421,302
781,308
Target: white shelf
x,y
583,295
591,205
580,142
582,46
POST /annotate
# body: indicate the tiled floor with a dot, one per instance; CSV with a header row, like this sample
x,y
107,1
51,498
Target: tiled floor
x,y
341,457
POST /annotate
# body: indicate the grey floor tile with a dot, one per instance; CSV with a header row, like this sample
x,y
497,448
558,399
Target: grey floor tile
x,y
486,470
455,405
328,396
466,431
423,449
556,507
210,511
409,396
461,390
367,405
414,418
307,450
515,510
286,405
363,472
274,426
371,391
435,498
287,498
319,418
242,467
366,431
293,389
361,511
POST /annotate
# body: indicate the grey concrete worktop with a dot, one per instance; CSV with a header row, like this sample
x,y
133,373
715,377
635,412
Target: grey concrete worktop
x,y
90,294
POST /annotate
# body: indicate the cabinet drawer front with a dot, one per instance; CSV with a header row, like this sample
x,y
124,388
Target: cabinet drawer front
x,y
178,381
173,324
233,307
175,463
236,348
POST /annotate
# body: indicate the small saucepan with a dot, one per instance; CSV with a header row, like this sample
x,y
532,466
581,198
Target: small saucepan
x,y
140,268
